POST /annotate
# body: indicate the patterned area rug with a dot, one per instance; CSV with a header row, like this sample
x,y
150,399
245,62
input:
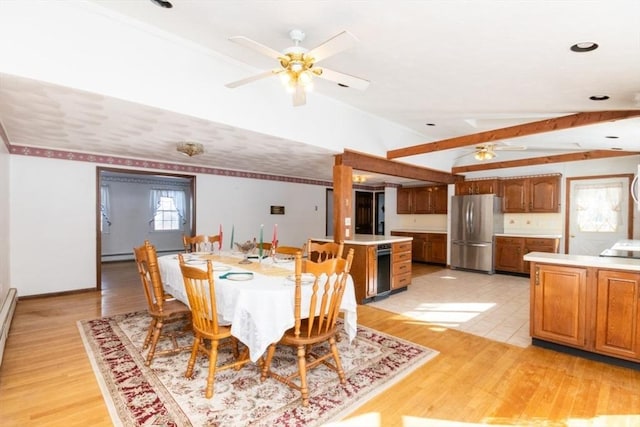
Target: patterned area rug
x,y
137,395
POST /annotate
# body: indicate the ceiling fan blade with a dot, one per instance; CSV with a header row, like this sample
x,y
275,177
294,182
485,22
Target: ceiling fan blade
x,y
252,44
509,148
344,79
244,81
299,96
335,44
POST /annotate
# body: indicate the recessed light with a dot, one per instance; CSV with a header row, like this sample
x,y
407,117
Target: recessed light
x,y
162,3
430,124
612,137
616,148
342,85
584,47
599,97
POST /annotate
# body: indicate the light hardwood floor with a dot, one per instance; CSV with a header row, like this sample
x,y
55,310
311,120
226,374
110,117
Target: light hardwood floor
x,y
46,378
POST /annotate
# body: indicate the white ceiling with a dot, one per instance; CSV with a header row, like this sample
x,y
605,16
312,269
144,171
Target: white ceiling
x,y
464,66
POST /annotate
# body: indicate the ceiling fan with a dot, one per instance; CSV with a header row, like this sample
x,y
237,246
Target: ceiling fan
x,y
297,64
488,151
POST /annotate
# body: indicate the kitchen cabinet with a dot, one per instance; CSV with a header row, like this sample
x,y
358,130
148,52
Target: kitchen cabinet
x,y
559,304
593,309
431,199
427,247
480,186
401,265
364,268
509,252
511,249
536,194
617,314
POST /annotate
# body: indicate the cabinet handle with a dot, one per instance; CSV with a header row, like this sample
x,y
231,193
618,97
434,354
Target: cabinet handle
x,y
537,276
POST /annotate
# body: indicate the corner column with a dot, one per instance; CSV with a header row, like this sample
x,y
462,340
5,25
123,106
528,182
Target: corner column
x,y
342,204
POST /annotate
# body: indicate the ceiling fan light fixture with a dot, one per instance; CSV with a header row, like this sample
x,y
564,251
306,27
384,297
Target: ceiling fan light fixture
x,y
190,148
484,155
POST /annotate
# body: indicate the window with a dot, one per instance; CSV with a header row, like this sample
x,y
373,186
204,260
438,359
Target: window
x,y
599,207
168,208
105,209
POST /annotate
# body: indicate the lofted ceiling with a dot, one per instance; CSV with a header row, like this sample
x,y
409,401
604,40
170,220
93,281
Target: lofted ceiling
x,y
441,69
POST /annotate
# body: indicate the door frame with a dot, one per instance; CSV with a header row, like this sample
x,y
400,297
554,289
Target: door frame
x,y
567,210
99,170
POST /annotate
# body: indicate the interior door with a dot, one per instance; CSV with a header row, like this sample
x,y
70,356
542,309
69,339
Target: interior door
x,y
364,212
599,213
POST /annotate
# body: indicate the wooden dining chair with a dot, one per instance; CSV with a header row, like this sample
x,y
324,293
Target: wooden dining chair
x,y
286,253
266,248
314,324
201,293
194,243
162,308
322,251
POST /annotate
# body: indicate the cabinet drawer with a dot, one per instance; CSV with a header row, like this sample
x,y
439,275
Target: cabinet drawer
x,y
401,256
401,281
402,267
509,240
402,247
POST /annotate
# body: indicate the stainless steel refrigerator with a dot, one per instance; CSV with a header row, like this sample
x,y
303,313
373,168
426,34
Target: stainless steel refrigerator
x,y
475,220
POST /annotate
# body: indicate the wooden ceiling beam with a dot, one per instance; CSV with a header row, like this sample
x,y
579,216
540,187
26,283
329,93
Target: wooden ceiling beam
x,y
572,157
369,163
548,125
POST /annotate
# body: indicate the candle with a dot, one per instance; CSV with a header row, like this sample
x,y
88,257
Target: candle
x,y
274,241
260,250
233,229
220,241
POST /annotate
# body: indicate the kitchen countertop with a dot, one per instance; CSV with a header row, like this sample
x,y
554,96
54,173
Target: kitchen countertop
x,y
531,235
584,261
366,239
415,230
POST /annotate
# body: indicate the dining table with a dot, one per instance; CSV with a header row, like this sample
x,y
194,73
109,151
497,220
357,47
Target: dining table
x,y
257,298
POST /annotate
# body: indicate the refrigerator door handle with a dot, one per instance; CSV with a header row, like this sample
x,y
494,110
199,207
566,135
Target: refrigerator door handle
x,y
479,245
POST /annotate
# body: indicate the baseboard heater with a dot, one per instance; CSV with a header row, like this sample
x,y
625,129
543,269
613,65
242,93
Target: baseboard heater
x,y
128,256
6,315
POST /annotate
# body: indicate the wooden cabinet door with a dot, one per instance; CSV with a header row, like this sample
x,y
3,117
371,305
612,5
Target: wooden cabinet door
x,y
439,199
558,304
509,253
419,248
544,194
404,201
464,187
486,186
515,197
539,245
618,314
437,248
372,270
422,200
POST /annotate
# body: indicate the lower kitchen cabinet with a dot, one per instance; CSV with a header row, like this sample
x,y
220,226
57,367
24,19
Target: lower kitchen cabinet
x,y
589,308
365,274
558,304
401,265
510,250
618,314
427,247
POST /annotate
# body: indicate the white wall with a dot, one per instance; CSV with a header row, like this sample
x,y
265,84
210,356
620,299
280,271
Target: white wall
x,y
5,236
52,210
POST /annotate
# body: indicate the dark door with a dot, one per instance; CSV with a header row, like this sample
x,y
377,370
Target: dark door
x,y
364,212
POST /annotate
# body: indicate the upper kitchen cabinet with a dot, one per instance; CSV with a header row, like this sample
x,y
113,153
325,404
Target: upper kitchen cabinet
x,y
536,194
480,186
431,199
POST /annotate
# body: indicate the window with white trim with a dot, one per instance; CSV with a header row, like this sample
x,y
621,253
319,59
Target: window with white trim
x,y
168,210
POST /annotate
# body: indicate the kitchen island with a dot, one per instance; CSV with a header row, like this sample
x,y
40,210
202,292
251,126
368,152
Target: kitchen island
x,y
587,303
381,264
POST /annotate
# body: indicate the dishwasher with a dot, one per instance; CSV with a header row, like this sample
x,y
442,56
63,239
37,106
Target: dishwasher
x,y
383,258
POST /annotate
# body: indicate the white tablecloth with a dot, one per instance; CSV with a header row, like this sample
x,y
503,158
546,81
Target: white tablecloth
x,y
259,310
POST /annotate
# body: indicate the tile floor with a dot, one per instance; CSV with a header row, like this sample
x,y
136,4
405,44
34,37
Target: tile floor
x,y
492,306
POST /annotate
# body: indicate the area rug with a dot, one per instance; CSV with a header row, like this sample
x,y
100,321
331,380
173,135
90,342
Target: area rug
x,y
137,395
